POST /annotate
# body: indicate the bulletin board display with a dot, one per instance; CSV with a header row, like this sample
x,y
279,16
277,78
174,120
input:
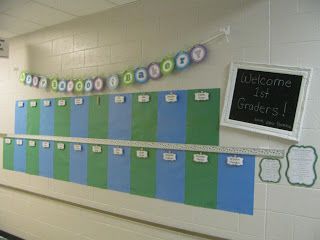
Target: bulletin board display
x,y
177,116
168,175
266,99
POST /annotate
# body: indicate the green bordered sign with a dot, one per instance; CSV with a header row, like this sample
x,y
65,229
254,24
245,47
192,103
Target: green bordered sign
x,y
167,65
128,77
270,170
301,170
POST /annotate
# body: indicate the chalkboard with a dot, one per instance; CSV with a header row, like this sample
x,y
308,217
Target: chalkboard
x,y
266,99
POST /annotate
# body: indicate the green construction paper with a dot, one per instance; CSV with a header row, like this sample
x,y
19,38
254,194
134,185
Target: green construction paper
x,y
62,118
203,118
32,159
98,116
97,167
33,118
61,162
144,118
8,153
143,173
201,181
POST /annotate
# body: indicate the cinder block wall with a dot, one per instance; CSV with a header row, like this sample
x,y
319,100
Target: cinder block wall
x,y
283,32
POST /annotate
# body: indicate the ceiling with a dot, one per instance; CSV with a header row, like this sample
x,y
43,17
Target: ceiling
x,y
23,16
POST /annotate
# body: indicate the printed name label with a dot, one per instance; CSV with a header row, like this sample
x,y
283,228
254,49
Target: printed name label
x,y
77,147
60,146
47,103
19,142
96,149
201,158
33,103
32,143
20,104
143,98
119,99
61,102
45,144
201,96
142,154
170,98
7,141
169,156
235,161
78,101
117,151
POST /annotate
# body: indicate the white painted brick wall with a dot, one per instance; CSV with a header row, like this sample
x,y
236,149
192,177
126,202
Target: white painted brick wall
x,y
283,32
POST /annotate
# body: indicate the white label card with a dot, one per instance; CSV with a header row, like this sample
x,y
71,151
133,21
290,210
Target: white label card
x,y
143,98
77,147
60,146
45,144
170,98
142,154
20,104
47,103
78,101
33,103
169,156
19,142
235,161
117,151
201,96
201,158
61,102
119,99
7,141
96,149
32,143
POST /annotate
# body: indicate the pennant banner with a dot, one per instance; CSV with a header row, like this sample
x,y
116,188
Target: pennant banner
x,y
140,75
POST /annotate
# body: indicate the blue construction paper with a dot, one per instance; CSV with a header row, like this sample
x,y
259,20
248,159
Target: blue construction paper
x,y
19,156
171,177
47,118
20,126
78,164
172,118
120,118
119,170
236,185
79,118
46,160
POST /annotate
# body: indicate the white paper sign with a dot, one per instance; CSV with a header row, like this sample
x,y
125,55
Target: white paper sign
x,y
78,101
169,156
201,158
61,102
270,170
235,161
117,151
60,146
119,99
7,141
142,154
45,144
301,165
33,103
20,104
32,143
201,96
46,103
77,147
143,98
96,149
19,142
170,98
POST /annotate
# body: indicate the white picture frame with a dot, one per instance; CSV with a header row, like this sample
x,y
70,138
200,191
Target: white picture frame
x,y
295,133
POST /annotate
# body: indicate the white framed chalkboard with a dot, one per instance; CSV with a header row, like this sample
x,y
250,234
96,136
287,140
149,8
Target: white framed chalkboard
x,y
266,99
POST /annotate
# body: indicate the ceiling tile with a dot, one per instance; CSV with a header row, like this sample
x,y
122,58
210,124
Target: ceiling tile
x,y
78,7
15,25
119,2
39,14
6,5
